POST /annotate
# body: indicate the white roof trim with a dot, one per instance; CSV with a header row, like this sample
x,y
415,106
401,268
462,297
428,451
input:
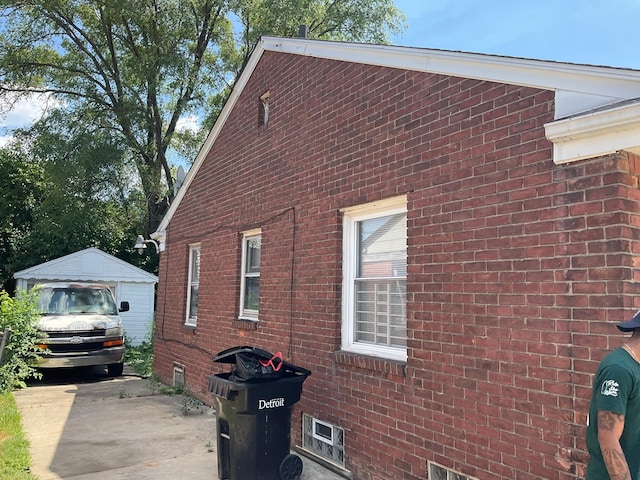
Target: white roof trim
x,y
36,272
595,134
595,86
579,88
160,233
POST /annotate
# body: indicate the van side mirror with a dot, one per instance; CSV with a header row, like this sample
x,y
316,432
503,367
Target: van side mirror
x,y
124,307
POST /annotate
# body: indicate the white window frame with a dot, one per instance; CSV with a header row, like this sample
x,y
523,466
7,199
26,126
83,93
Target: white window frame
x,y
351,217
246,313
189,320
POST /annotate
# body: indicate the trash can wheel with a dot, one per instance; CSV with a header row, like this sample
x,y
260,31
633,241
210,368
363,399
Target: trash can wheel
x,y
290,467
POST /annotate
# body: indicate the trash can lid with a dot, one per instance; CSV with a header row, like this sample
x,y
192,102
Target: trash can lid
x,y
229,356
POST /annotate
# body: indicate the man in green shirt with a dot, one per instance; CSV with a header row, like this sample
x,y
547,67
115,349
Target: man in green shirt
x,y
613,431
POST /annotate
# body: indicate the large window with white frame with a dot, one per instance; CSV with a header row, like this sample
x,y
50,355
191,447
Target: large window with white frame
x,y
250,275
193,285
374,279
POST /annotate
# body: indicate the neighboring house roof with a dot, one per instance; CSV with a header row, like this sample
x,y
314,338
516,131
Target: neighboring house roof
x,y
90,264
597,108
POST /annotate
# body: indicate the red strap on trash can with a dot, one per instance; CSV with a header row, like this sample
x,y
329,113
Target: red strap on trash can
x,y
269,363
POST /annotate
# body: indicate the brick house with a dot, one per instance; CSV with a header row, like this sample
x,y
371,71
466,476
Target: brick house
x,y
446,240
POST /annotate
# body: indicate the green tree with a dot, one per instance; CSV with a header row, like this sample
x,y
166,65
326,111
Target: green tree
x,y
69,190
136,67
21,353
21,184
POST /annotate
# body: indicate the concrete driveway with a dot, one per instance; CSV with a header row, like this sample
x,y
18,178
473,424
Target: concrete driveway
x,y
83,425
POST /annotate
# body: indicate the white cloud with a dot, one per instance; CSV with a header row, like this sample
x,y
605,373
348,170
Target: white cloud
x,y
23,112
4,140
188,123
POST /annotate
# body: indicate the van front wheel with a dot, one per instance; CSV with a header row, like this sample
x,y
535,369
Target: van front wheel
x,y
115,369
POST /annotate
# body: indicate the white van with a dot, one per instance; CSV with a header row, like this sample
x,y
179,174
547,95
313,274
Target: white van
x,y
82,325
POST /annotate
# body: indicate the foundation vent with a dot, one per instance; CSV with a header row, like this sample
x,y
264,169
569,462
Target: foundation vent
x,y
323,439
438,472
178,375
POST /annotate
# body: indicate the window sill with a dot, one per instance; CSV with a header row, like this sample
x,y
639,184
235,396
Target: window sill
x,y
245,324
375,364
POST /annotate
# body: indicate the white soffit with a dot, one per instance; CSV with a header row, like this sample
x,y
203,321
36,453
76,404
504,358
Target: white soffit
x,y
594,134
579,88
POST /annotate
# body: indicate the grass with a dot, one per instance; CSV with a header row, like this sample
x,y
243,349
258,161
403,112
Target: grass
x,y
14,447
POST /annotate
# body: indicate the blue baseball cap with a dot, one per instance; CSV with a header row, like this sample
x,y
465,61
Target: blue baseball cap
x,y
631,325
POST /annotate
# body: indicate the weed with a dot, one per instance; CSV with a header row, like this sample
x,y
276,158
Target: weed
x,y
140,358
20,354
188,402
123,394
172,390
154,384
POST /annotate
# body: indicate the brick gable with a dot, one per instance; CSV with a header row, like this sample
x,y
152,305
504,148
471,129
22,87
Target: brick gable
x,y
517,268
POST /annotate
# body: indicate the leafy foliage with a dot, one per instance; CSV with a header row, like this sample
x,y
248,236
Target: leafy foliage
x,y
21,353
21,187
140,358
135,68
68,189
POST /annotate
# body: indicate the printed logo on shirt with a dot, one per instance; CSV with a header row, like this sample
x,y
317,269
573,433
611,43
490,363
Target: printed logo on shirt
x,y
609,388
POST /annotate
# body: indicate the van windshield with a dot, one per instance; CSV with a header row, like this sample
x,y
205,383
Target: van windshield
x,y
63,301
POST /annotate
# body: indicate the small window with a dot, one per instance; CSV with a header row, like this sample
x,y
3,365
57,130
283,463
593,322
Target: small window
x,y
375,273
194,285
250,286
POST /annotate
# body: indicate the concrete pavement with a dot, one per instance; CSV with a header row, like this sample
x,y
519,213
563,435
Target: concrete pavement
x,y
94,427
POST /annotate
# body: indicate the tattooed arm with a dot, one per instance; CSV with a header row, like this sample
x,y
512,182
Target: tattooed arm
x,y
610,427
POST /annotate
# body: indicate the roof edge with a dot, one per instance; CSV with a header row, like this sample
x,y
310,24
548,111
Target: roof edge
x,y
248,69
596,133
25,272
579,88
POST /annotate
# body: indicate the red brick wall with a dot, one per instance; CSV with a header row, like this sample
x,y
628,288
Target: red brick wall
x,y
517,268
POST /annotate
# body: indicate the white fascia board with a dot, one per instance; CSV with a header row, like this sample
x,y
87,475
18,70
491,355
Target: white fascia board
x,y
29,272
45,270
595,134
579,88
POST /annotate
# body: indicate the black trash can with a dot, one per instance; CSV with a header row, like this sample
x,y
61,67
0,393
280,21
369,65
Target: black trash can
x,y
253,413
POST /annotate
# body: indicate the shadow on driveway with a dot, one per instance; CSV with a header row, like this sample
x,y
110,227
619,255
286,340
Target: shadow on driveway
x,y
84,425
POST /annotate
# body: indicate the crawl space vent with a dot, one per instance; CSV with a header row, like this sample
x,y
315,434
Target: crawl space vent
x,y
323,439
178,375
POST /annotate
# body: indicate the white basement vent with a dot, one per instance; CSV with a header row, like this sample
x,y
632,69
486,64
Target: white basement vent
x,y
323,439
438,472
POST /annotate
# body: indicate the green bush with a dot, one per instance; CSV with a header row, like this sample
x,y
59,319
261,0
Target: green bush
x,y
21,353
140,358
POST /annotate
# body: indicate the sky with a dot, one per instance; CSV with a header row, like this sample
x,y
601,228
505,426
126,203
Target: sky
x,y
593,32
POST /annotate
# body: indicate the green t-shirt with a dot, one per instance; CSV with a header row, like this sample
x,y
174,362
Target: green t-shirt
x,y
616,388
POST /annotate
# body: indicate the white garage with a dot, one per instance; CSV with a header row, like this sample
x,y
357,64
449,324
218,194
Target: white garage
x,y
128,283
